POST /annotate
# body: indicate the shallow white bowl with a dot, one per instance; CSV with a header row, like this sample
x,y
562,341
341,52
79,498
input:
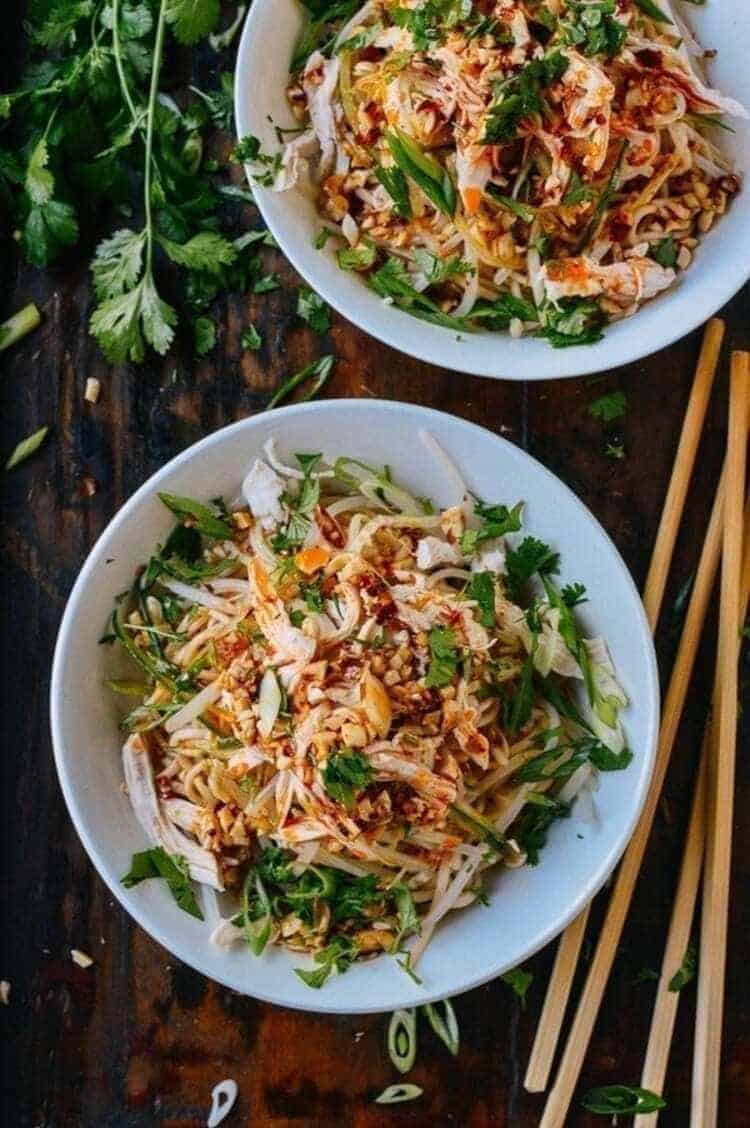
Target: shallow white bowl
x,y
528,906
721,265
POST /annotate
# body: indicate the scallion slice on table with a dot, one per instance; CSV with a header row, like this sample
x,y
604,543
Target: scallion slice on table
x,y
17,326
445,1025
396,1094
26,448
402,1039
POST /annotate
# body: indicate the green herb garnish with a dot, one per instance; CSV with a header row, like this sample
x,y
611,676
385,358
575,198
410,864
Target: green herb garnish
x,y
444,657
622,1100
26,448
346,775
312,309
522,96
519,981
686,971
427,173
608,407
156,862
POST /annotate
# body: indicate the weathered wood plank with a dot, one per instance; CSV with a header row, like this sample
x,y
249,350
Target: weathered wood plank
x,y
139,1040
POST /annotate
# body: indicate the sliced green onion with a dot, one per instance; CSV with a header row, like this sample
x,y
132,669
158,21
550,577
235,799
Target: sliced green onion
x,y
127,688
19,325
445,1025
206,521
320,369
395,1094
257,932
402,1039
424,170
477,823
26,448
523,211
652,11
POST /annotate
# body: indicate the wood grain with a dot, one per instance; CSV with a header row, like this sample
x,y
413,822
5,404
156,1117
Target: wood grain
x,y
139,1040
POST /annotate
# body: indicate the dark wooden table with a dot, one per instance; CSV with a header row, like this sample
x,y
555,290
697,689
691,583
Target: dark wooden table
x,y
139,1039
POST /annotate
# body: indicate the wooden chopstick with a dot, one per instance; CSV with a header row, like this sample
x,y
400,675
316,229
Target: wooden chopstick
x,y
558,1102
566,960
720,791
686,895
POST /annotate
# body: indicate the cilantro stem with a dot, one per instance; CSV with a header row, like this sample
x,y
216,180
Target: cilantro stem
x,y
117,51
150,116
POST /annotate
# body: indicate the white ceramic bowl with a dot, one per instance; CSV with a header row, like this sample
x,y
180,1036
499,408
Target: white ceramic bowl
x,y
528,906
721,265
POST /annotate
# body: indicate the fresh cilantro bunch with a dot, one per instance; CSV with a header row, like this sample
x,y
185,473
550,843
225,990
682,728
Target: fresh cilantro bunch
x,y
93,131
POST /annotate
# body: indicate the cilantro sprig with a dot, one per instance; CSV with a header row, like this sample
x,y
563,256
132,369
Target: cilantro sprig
x,y
522,96
444,657
89,124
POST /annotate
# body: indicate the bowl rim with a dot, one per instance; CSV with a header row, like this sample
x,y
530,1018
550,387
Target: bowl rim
x,y
182,950
623,344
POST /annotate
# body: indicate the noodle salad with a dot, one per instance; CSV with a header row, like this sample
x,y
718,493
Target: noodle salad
x,y
353,705
537,166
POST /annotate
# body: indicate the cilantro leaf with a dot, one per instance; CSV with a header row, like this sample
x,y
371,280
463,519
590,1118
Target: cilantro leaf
x,y
118,263
406,911
608,407
530,558
436,269
39,182
622,1100
314,310
338,956
192,20
444,657
219,102
156,862
48,228
519,981
521,96
687,969
593,29
498,313
207,251
360,257
204,335
572,321
251,338
122,324
497,520
481,588
665,252
345,775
